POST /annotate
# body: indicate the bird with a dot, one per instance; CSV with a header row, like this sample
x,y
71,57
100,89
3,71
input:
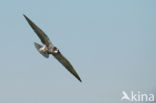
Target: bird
x,y
48,48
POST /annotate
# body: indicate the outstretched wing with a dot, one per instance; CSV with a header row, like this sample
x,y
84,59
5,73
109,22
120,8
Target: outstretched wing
x,y
38,46
43,37
66,64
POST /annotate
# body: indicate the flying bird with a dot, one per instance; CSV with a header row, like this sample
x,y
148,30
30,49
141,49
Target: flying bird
x,y
48,48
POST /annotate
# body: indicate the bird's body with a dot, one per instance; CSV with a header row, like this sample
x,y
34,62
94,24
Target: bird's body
x,y
48,48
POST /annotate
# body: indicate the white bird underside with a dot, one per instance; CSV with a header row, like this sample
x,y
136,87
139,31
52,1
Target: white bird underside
x,y
40,49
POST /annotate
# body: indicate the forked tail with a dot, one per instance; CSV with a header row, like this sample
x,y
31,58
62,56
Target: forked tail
x,y
38,46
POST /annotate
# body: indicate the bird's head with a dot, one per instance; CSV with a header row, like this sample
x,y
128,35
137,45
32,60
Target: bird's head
x,y
55,50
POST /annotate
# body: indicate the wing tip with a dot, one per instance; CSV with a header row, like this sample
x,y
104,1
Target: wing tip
x,y
26,18
24,15
78,78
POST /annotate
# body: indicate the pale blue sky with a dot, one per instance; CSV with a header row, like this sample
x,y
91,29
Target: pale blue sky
x,y
111,44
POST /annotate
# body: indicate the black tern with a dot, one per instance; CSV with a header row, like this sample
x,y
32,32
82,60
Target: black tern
x,y
48,48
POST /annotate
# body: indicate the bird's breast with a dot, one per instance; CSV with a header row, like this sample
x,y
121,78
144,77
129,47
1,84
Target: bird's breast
x,y
50,49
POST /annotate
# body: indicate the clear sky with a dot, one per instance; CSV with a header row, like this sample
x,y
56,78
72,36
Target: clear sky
x,y
111,44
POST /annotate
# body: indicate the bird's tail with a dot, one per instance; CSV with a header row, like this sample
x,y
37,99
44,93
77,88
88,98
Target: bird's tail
x,y
38,46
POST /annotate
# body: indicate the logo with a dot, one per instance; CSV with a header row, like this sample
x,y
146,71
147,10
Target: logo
x,y
137,97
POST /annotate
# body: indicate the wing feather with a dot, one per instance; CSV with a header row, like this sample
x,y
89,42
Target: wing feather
x,y
43,37
66,64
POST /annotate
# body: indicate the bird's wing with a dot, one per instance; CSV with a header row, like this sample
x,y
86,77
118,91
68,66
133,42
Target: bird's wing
x,y
43,37
66,64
